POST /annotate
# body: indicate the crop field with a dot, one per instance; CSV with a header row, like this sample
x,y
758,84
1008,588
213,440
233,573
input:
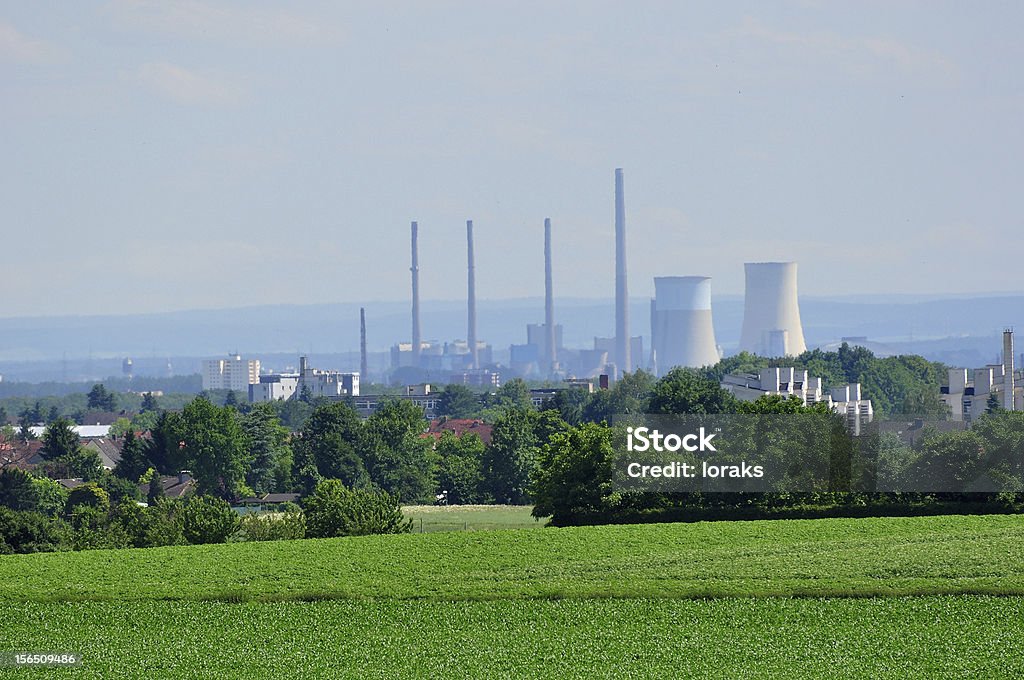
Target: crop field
x,y
943,596
821,558
429,518
962,636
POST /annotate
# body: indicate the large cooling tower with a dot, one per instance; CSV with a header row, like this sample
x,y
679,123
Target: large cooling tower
x,y
682,333
771,314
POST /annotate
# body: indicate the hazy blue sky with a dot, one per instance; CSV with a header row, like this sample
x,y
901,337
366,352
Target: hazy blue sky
x,y
168,155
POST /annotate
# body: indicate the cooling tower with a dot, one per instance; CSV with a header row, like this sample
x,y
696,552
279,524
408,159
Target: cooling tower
x,y
471,292
771,314
682,333
549,302
415,269
622,354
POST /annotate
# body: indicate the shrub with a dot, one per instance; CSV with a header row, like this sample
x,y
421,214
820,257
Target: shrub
x,y
29,532
88,495
205,519
335,510
272,527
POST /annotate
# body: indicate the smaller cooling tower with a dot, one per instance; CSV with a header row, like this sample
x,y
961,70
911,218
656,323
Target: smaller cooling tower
x,y
771,314
682,333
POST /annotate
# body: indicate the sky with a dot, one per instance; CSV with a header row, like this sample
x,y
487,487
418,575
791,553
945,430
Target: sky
x,y
160,156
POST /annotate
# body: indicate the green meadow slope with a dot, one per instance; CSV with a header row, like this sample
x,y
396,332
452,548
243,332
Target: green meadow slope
x,y
873,598
822,558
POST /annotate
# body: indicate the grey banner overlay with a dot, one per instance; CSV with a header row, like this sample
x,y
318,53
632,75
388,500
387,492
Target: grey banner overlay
x,y
811,453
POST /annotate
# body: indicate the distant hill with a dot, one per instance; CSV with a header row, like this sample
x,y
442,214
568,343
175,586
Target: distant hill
x,y
956,330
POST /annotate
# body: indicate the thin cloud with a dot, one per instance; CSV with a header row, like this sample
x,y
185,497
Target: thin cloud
x,y
222,23
183,86
15,46
854,53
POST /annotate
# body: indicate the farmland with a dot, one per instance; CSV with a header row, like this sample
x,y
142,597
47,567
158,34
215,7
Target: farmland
x,y
821,558
798,598
964,636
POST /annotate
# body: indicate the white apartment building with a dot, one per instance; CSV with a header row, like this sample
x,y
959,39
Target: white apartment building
x,y
788,381
233,373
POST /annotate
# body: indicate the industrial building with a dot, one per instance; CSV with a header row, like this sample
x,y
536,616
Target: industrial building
x,y
788,381
233,373
325,383
422,396
682,333
274,387
967,393
771,312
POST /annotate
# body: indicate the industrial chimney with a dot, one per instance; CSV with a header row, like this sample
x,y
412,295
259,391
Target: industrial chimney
x,y
415,269
549,302
471,285
771,313
622,358
362,344
1008,396
682,333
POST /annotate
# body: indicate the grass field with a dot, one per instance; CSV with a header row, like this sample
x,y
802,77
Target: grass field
x,y
937,637
829,557
430,518
880,597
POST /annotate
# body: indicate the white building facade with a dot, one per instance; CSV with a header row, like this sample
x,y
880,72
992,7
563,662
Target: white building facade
x,y
233,373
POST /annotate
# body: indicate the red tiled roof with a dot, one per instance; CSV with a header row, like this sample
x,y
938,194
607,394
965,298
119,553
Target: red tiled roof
x,y
459,426
19,454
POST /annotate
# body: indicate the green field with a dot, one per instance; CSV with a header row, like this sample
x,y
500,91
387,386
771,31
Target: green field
x,y
879,597
937,637
827,557
429,518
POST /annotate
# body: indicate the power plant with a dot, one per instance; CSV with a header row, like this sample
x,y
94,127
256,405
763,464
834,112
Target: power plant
x,y
682,333
622,349
771,313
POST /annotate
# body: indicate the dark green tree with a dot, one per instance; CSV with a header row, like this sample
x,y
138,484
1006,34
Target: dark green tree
x,y
685,391
64,454
512,457
134,461
458,401
165,449
398,457
215,448
460,467
100,399
149,403
328,447
574,479
269,450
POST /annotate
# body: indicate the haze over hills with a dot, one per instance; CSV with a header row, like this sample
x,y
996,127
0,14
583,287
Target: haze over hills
x,y
957,330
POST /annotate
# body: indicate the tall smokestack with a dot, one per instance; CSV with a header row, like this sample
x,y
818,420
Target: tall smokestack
x,y
415,269
1008,401
549,301
622,358
362,344
471,287
771,313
